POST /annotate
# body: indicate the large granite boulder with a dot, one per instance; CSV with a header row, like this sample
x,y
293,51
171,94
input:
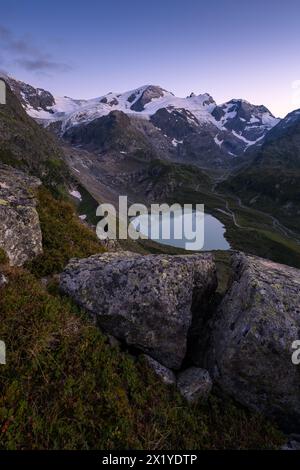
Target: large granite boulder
x,y
20,232
252,335
147,301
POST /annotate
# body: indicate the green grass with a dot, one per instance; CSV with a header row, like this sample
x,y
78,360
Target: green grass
x,y
64,236
87,206
260,238
64,387
3,257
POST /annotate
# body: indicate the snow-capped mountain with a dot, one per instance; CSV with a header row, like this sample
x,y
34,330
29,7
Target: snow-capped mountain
x,y
246,121
40,104
191,125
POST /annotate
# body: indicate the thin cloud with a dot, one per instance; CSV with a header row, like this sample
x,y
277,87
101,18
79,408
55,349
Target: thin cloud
x,y
43,65
28,56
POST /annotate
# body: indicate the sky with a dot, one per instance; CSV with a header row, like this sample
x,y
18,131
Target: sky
x,y
228,48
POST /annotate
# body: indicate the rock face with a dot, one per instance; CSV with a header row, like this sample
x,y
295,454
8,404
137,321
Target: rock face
x,y
194,384
252,336
147,301
20,232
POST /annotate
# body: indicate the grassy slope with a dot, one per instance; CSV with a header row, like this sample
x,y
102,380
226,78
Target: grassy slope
x,y
274,190
64,387
64,236
259,237
26,145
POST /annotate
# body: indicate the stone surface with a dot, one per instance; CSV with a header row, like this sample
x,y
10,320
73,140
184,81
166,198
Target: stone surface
x,y
166,375
146,301
252,336
3,280
20,232
194,384
293,443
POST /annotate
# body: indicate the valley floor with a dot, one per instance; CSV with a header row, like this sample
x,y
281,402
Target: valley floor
x,y
247,229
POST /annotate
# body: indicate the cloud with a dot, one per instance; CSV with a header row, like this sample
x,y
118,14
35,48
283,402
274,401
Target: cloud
x,y
27,55
40,65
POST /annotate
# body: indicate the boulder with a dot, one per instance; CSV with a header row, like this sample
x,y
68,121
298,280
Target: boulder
x,y
20,232
194,384
146,301
166,375
252,334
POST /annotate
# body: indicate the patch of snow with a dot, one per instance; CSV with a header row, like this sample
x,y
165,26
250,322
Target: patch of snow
x,y
254,119
217,141
76,194
176,142
239,136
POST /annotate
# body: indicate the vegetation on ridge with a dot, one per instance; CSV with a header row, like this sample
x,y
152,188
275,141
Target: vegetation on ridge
x,y
64,235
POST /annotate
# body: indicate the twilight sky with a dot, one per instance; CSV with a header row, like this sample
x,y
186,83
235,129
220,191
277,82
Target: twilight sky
x,y
228,48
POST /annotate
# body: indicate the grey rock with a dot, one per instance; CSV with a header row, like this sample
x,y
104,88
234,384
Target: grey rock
x,y
166,375
150,93
293,443
3,280
194,384
146,301
253,332
20,232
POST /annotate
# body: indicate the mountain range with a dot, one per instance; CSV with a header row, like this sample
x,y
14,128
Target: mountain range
x,y
124,133
183,128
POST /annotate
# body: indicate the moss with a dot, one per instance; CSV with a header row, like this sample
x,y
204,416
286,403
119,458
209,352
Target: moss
x,y
64,236
64,387
3,257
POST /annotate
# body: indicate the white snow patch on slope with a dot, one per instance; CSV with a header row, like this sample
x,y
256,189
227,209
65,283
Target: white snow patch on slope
x,y
176,142
217,141
76,194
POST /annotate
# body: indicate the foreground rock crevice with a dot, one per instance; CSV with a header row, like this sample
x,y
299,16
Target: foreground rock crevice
x,y
155,303
145,301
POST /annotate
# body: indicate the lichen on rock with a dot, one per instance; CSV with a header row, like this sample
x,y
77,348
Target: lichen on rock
x,y
20,232
252,334
146,301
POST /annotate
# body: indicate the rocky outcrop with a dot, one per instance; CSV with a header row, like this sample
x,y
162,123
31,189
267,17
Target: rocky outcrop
x,y
194,384
146,301
149,94
30,97
252,335
20,232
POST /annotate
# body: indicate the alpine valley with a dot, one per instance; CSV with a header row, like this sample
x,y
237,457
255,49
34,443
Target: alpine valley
x,y
132,344
236,158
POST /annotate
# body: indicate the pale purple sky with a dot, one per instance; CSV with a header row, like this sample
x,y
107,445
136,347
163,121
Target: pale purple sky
x,y
228,48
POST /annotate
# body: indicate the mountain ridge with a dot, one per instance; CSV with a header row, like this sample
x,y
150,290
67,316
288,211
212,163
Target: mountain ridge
x,y
234,126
